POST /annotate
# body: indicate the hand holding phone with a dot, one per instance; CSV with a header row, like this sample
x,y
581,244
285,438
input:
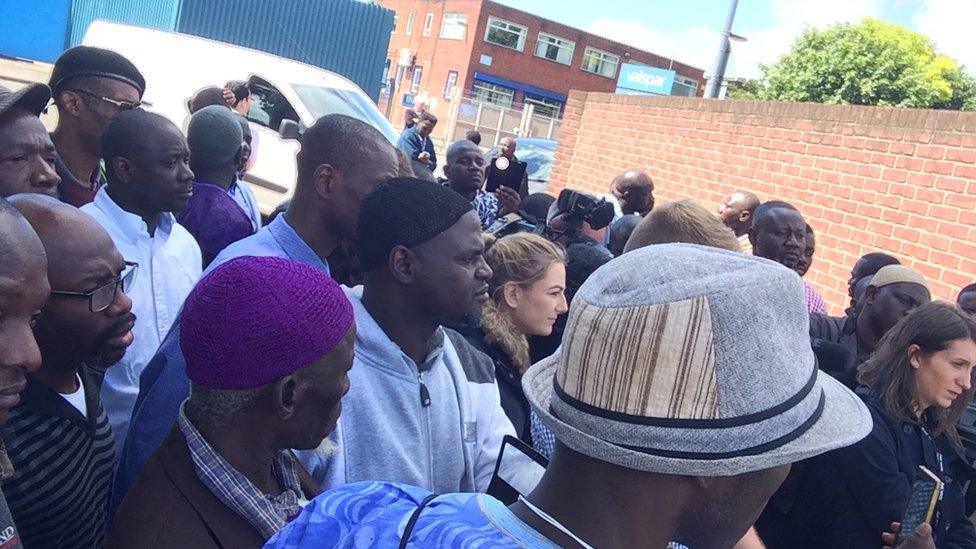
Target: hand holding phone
x,y
921,502
921,538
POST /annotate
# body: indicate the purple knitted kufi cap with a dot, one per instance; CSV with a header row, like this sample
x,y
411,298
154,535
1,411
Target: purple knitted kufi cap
x,y
255,319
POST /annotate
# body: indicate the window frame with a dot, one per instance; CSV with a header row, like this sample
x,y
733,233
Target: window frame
x,y
408,28
545,102
416,77
281,111
461,20
523,36
428,24
602,55
449,85
539,41
492,88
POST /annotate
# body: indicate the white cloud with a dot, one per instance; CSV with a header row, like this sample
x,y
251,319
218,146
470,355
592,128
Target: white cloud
x,y
698,45
949,24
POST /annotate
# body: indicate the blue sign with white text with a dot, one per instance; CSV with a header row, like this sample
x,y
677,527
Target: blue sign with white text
x,y
640,80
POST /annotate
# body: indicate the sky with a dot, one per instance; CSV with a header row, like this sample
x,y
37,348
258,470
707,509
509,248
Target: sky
x,y
689,30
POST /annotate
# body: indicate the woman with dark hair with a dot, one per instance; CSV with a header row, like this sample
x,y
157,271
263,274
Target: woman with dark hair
x,y
917,385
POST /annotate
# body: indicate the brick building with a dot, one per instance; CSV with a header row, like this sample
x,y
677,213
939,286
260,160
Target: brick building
x,y
901,181
508,57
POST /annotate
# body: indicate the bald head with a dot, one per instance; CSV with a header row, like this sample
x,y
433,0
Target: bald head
x,y
736,211
459,147
23,290
71,238
81,259
507,147
634,190
465,167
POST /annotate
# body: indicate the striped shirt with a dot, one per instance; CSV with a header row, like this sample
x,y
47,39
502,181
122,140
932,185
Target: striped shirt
x,y
63,466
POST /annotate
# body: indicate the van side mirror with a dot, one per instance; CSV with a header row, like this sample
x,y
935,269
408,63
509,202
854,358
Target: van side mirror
x,y
289,129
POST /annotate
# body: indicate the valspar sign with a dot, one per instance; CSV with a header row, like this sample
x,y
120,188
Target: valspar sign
x,y
643,80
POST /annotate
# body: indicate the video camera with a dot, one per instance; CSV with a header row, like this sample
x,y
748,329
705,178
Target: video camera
x,y
584,207
578,206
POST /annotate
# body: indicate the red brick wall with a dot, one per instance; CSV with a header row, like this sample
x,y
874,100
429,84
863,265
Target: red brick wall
x,y
901,181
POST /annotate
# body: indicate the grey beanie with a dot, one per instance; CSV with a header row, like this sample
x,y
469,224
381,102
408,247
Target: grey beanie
x,y
214,136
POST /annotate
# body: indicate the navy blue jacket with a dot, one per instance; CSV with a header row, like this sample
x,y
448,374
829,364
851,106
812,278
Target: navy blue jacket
x,y
412,143
848,497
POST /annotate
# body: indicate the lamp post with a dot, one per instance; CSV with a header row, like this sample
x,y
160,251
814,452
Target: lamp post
x,y
718,73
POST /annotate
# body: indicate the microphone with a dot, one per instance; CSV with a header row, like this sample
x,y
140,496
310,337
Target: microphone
x,y
832,358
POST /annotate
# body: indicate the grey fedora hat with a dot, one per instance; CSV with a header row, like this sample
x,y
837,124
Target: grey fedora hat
x,y
687,360
33,97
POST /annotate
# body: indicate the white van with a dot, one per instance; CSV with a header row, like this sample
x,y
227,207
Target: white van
x,y
178,65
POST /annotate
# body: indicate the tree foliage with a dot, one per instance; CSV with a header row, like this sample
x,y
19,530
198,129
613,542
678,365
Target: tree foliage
x,y
870,63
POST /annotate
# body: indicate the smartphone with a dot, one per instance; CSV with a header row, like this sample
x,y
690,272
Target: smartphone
x,y
921,504
501,173
507,484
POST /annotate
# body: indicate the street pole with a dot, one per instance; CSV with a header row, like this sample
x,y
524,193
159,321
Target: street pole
x,y
718,73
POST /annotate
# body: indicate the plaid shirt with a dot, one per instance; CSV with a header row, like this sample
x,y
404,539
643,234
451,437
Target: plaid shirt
x,y
486,204
267,514
815,302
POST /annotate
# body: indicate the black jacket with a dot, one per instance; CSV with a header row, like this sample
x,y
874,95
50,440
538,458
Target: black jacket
x,y
848,497
509,383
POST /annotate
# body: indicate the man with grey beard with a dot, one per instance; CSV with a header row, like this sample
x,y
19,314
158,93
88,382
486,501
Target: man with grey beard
x,y
268,344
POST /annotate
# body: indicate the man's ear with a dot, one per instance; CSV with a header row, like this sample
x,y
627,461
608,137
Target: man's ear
x,y
285,396
122,167
70,103
745,216
403,264
871,294
326,178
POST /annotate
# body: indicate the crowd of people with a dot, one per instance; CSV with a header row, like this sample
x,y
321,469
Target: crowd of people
x,y
366,366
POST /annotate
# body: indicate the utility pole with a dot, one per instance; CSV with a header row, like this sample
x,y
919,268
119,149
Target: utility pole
x,y
718,72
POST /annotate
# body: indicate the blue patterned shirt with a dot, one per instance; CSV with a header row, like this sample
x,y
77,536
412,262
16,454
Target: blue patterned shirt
x,y
373,514
486,204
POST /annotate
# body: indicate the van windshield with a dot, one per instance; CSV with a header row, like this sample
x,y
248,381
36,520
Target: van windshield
x,y
322,101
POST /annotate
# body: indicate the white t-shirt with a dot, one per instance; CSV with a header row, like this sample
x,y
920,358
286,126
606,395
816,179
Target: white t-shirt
x,y
77,398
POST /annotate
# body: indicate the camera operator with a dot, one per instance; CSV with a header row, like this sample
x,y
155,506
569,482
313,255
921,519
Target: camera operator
x,y
572,213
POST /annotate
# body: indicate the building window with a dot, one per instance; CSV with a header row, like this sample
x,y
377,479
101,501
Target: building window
x,y
428,23
503,33
493,94
454,25
385,86
395,18
684,86
543,105
450,85
600,62
418,73
398,79
554,48
408,30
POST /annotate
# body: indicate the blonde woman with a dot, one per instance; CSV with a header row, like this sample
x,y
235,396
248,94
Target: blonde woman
x,y
527,294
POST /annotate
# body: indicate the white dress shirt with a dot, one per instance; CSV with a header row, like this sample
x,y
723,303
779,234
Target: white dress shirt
x,y
170,264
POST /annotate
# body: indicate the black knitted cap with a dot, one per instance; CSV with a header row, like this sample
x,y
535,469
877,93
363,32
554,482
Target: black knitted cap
x,y
97,62
405,211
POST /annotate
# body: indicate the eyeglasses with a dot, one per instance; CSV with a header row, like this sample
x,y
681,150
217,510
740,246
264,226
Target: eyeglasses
x,y
122,105
101,297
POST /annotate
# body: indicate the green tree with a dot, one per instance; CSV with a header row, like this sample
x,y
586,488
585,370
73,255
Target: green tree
x,y
870,63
